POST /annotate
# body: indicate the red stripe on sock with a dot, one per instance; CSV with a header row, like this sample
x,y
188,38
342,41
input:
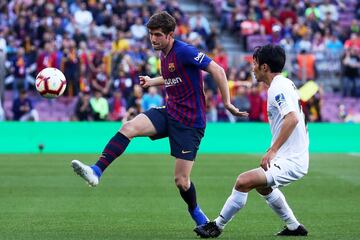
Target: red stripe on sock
x,y
106,163
110,153
121,147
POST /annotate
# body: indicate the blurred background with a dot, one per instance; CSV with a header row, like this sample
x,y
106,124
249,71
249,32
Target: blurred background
x,y
102,47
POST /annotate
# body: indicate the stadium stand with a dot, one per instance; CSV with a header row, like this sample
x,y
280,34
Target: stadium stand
x,y
103,45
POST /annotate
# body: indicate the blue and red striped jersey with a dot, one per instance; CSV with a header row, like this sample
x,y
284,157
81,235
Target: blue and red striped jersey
x,y
181,70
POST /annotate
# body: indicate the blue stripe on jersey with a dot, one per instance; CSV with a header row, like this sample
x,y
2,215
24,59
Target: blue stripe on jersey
x,y
187,103
185,111
181,70
202,98
190,101
179,106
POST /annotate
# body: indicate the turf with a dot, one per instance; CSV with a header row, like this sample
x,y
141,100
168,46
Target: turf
x,y
41,198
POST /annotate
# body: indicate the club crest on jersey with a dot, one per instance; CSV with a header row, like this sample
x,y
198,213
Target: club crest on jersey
x,y
171,67
280,99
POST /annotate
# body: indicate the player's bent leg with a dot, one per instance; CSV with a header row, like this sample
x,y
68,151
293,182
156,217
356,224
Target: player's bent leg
x,y
141,125
277,202
238,198
251,179
188,191
281,174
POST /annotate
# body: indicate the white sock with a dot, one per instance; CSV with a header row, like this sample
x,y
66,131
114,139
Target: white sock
x,y
233,204
276,200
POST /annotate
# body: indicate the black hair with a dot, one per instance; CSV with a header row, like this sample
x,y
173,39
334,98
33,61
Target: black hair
x,y
162,20
272,55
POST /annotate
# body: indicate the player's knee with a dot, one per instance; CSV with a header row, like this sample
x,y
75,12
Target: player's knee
x,y
242,184
129,129
182,183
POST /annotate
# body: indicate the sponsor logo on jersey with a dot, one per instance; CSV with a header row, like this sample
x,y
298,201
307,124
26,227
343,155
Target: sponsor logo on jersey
x,y
199,57
172,81
171,67
280,99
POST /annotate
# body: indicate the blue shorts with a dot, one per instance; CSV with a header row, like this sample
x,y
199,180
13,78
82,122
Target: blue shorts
x,y
184,140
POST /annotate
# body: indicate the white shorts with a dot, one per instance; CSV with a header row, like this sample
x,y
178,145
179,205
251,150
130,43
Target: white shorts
x,y
284,171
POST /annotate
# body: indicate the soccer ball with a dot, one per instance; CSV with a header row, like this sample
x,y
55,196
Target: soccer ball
x,y
50,82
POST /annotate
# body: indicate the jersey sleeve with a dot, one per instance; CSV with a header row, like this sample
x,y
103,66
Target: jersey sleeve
x,y
190,55
282,101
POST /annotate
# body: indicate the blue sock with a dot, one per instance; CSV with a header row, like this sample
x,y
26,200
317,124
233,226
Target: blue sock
x,y
198,216
96,170
189,197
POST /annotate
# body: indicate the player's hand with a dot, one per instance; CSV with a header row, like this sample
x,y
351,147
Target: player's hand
x,y
265,162
235,111
145,81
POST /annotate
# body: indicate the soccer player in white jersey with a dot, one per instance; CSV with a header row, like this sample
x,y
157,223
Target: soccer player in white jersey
x,y
287,159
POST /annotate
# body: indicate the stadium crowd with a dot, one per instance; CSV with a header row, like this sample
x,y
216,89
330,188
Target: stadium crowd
x,y
102,47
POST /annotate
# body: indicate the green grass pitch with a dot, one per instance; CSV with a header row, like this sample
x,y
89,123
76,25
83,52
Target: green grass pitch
x,y
41,198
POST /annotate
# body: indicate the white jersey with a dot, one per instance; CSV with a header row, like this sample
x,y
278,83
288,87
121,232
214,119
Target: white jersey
x,y
283,98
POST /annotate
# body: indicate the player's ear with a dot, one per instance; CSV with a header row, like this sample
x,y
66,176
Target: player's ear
x,y
265,67
171,34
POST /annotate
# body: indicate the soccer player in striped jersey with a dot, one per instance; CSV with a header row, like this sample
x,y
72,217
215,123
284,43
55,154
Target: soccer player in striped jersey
x,y
182,120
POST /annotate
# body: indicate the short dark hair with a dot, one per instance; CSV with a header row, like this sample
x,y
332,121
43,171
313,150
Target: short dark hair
x,y
273,55
162,20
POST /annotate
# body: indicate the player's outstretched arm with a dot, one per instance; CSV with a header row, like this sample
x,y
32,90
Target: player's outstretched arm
x,y
219,76
146,81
